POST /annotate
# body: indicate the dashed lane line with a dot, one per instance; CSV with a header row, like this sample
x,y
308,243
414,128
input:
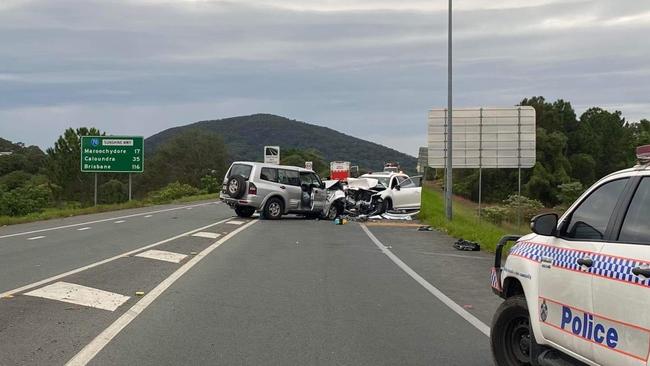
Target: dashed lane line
x,y
96,345
119,221
148,216
103,220
206,234
162,255
83,228
235,222
482,327
80,269
36,237
80,295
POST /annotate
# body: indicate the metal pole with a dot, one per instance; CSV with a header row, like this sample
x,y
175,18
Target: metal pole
x,y
519,166
95,189
480,162
129,186
449,167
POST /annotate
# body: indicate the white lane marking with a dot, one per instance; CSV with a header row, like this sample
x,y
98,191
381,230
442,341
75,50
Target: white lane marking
x,y
80,295
162,255
429,287
235,222
119,221
207,234
148,216
189,208
80,269
96,345
36,237
83,228
102,220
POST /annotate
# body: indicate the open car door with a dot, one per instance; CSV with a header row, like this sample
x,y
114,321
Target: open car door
x,y
407,194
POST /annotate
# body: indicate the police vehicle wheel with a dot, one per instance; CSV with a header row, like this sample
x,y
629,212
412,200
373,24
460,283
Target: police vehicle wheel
x,y
511,337
236,186
244,211
273,209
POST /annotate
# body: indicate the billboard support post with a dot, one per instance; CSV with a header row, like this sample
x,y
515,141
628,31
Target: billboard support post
x,y
95,189
449,167
130,185
480,164
519,166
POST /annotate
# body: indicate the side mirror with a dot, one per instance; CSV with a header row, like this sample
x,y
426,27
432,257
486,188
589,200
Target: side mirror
x,y
544,224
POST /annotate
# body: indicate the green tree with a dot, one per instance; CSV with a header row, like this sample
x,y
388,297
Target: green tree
x,y
185,158
63,166
298,157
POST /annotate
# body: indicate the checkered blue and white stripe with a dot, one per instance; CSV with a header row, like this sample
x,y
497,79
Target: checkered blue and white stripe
x,y
604,265
494,278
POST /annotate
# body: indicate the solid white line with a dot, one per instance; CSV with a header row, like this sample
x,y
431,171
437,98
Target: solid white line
x,y
206,234
96,345
102,220
119,221
36,237
83,228
429,287
162,255
80,295
80,269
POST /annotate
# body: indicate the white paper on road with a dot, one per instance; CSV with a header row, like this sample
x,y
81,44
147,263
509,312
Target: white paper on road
x,y
162,255
80,295
207,234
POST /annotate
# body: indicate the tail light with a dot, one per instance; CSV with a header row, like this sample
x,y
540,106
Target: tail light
x,y
252,189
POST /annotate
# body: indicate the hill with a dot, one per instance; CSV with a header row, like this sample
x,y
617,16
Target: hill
x,y
246,136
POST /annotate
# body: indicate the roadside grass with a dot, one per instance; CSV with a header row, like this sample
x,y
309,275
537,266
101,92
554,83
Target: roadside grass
x,y
465,223
55,213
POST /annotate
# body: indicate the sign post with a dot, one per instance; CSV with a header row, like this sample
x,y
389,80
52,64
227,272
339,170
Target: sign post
x,y
112,154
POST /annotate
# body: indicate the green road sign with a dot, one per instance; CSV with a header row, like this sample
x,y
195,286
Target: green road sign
x,y
112,154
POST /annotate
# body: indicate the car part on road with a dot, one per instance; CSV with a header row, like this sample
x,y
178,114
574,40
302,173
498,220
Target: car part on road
x,y
466,245
273,209
236,186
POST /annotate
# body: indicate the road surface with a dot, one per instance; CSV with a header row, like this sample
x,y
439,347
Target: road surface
x,y
192,285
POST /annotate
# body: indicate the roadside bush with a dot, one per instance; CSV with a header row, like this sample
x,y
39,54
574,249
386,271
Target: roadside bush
x,y
529,207
210,184
173,191
569,192
495,214
24,200
113,191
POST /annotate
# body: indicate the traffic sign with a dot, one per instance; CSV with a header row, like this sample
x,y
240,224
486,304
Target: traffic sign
x,y
271,154
112,154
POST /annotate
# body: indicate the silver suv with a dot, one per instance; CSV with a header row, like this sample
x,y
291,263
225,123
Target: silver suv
x,y
273,190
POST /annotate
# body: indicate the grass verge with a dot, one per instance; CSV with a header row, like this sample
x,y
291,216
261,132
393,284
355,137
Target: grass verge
x,y
465,223
55,213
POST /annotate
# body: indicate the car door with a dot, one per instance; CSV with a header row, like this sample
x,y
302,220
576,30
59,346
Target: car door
x,y
400,198
410,191
565,283
317,194
621,285
290,182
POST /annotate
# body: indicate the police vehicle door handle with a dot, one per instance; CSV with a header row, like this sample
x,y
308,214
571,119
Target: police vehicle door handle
x,y
587,262
639,271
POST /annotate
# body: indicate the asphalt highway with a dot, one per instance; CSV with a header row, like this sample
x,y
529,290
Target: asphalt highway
x,y
192,285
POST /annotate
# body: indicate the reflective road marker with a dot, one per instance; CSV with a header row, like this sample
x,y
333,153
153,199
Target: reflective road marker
x,y
80,295
162,255
206,234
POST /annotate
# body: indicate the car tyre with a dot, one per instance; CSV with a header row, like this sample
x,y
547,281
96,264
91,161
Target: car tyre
x,y
273,208
244,211
511,337
333,213
386,206
236,186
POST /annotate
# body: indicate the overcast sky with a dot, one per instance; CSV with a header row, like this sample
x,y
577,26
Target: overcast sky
x,y
368,68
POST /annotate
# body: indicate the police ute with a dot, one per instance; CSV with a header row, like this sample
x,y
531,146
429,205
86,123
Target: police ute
x,y
577,289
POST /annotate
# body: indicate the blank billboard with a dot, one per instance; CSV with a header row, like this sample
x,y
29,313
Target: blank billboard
x,y
484,137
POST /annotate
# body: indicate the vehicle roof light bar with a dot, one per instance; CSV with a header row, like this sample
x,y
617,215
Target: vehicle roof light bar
x,y
643,154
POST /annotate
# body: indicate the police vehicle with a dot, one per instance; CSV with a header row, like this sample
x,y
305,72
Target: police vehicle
x,y
577,290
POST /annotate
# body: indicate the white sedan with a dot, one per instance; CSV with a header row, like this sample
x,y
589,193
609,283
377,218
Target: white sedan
x,y
401,192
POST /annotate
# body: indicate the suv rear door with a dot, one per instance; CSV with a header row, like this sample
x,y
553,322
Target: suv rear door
x,y
621,285
289,181
565,282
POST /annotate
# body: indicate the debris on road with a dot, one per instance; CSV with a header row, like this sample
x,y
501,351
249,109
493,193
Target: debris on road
x,y
466,245
139,293
425,228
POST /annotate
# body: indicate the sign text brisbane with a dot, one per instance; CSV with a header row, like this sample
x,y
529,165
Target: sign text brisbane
x,y
112,154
